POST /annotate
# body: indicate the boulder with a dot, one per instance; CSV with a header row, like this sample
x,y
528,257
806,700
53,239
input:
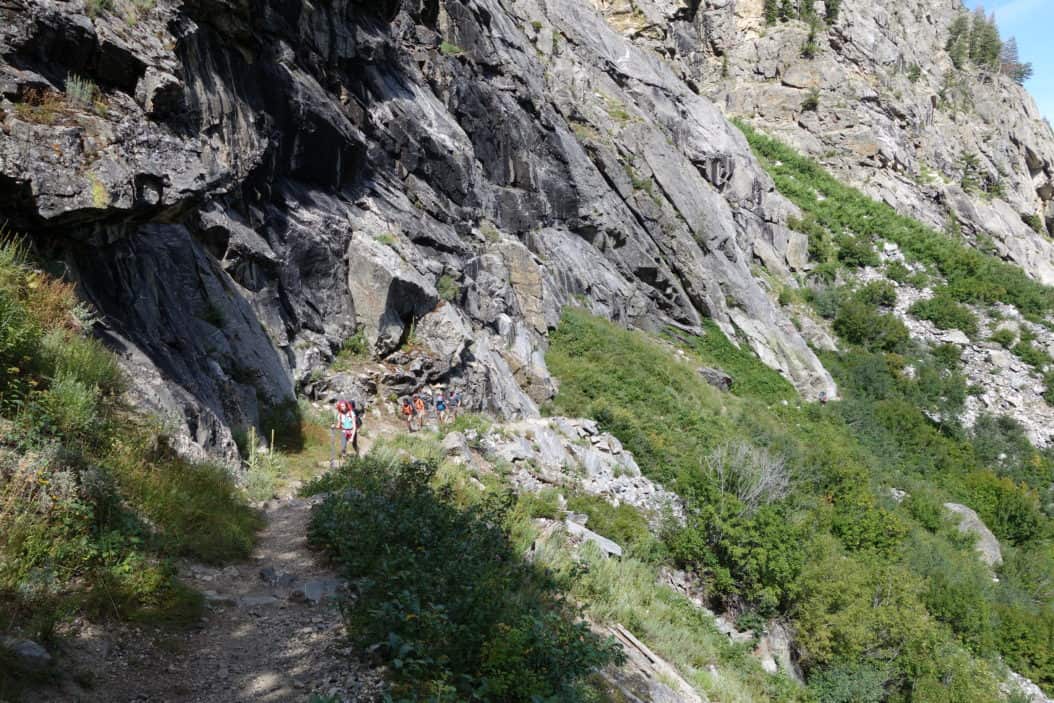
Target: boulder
x,y
583,533
716,378
26,654
969,523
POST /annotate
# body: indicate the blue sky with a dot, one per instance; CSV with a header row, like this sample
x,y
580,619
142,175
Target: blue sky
x,y
1032,22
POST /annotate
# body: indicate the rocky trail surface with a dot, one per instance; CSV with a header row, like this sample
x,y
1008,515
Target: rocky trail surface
x,y
272,631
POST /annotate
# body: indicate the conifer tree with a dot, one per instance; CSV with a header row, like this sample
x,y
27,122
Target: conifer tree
x,y
772,11
787,10
831,8
807,9
1010,63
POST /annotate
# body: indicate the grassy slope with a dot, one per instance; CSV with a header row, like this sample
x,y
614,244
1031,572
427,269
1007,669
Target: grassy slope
x,y
947,620
93,502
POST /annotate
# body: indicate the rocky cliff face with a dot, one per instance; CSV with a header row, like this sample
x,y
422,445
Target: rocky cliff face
x,y
242,186
892,116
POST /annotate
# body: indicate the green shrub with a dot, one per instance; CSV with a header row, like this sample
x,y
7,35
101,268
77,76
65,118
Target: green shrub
x,y
946,314
69,407
448,49
862,324
1032,355
80,91
856,252
850,683
811,103
1010,510
447,287
958,589
898,272
927,509
864,620
827,301
1035,222
443,597
972,276
542,504
1004,337
880,293
623,524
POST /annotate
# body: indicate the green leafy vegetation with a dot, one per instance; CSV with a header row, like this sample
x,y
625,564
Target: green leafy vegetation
x,y
833,209
93,500
447,287
946,314
789,514
443,595
355,349
448,49
811,103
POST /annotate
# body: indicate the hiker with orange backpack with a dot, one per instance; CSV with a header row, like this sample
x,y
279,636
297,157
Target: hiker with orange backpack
x,y
408,413
420,409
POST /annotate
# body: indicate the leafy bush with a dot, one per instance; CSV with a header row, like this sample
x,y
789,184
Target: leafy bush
x,y
1004,337
447,287
856,252
946,314
862,324
1010,510
958,589
623,523
850,683
443,596
972,276
1032,355
542,504
880,293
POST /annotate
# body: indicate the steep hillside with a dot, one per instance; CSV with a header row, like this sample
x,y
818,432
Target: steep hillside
x,y
935,135
786,268
240,188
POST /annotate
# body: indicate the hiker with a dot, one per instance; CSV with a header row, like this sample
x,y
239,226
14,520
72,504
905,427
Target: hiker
x,y
419,409
440,407
408,413
454,402
348,423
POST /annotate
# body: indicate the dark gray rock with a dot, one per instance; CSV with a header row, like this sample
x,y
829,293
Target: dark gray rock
x,y
716,378
26,654
265,183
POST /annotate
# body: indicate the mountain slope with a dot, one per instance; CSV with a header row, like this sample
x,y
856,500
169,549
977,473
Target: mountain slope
x,y
246,186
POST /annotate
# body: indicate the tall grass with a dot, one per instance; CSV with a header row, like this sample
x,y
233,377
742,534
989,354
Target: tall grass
x,y
839,461
94,503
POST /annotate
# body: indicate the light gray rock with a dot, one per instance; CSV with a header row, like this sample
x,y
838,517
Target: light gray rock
x,y
969,523
316,591
607,546
256,600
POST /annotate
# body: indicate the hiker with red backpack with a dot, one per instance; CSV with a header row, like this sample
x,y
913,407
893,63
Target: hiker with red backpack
x,y
349,421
